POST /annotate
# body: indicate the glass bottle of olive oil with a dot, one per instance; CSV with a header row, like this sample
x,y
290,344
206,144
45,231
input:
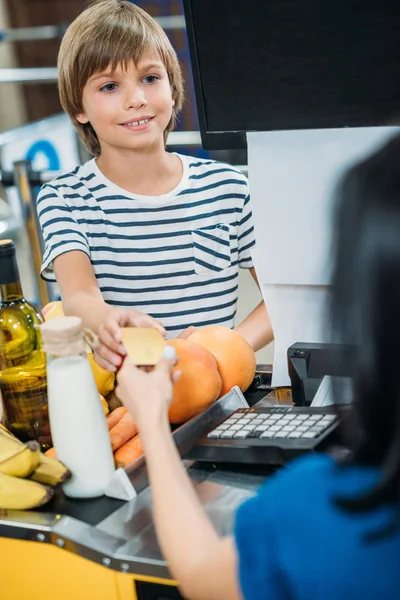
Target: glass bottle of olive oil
x,y
23,382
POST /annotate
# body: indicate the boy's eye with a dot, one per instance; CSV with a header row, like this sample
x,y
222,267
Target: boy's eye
x,y
108,87
151,79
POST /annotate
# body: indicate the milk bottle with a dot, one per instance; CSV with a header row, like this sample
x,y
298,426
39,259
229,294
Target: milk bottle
x,y
77,421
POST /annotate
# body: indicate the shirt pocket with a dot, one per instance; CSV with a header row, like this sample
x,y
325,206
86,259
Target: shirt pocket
x,y
211,249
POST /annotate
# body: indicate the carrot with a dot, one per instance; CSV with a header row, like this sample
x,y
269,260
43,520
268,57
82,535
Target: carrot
x,y
129,452
115,416
123,431
51,452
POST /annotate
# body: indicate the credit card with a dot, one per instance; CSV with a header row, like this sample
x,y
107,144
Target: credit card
x,y
143,345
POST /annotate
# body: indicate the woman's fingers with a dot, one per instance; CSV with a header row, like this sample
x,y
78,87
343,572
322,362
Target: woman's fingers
x,y
167,362
175,376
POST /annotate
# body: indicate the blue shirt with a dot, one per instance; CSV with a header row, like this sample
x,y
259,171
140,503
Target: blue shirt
x,y
294,543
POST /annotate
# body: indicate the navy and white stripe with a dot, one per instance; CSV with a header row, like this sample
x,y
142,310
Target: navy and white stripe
x,y
174,256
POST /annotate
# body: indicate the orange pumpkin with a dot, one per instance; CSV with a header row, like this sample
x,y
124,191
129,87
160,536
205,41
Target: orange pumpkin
x,y
235,357
199,384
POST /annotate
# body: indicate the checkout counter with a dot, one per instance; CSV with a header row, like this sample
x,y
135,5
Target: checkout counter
x,y
107,549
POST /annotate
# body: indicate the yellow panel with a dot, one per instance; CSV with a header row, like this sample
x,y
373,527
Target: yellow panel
x,y
126,587
39,571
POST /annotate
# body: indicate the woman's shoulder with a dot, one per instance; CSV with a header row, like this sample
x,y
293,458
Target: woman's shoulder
x,y
301,476
326,471
299,479
312,480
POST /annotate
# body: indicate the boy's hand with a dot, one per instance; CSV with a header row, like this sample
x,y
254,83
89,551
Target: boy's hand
x,y
110,352
148,395
186,332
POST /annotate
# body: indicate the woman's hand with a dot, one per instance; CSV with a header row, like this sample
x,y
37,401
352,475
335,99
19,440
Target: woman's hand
x,y
147,395
110,352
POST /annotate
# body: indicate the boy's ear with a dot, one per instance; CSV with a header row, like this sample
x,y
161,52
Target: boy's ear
x,y
82,118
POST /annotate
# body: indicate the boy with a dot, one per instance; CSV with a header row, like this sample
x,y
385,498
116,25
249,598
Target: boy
x,y
138,227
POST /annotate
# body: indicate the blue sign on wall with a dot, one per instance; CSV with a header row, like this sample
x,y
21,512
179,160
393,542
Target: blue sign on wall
x,y
45,147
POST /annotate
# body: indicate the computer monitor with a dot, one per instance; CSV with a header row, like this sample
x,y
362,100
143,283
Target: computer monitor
x,y
272,65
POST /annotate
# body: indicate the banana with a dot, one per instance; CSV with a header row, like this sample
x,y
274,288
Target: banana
x,y
104,404
22,494
43,469
18,460
8,445
50,472
4,431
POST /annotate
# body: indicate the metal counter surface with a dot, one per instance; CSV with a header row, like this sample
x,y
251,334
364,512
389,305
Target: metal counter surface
x,y
125,539
219,493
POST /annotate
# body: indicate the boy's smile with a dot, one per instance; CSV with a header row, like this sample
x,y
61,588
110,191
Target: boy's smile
x,y
139,124
129,108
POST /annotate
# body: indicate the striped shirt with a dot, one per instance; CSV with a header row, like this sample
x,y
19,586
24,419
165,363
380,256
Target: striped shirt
x,y
174,256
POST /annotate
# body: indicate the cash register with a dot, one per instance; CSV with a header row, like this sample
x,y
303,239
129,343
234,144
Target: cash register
x,y
266,435
303,110
273,435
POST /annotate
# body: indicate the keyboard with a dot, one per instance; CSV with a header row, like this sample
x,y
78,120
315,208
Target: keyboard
x,y
268,435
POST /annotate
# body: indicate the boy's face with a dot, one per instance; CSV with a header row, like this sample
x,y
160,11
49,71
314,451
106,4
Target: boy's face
x,y
129,109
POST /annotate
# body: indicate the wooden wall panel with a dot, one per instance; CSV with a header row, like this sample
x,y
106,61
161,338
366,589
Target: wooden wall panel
x,y
42,99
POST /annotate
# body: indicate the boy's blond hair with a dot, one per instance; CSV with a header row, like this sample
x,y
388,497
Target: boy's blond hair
x,y
111,33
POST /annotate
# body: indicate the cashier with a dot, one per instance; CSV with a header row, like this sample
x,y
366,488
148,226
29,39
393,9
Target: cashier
x,y
322,527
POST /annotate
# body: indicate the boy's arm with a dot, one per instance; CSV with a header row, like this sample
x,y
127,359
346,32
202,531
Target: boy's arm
x,y
81,296
256,328
80,292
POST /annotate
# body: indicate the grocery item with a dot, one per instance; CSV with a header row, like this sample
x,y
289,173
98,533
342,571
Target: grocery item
x,y
199,384
129,452
17,459
21,494
115,416
51,452
105,380
104,404
123,431
23,385
52,310
236,360
41,468
50,472
77,419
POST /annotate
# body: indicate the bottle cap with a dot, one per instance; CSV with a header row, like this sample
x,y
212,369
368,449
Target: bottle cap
x,y
8,263
63,336
7,248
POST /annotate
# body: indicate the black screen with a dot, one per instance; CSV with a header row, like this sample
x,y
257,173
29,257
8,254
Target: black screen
x,y
263,65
